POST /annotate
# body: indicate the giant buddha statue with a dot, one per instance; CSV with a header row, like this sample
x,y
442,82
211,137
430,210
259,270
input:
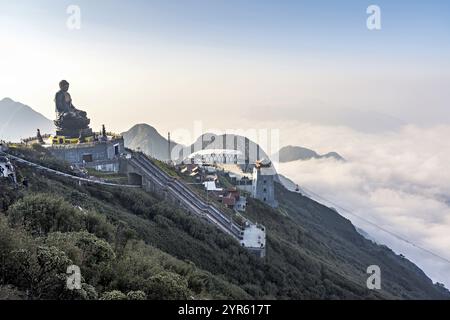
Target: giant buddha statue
x,y
70,122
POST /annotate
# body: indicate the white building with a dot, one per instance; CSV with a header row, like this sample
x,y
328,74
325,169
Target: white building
x,y
211,186
7,170
254,239
241,204
263,187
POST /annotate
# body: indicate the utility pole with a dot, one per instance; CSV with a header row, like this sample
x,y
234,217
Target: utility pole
x,y
168,148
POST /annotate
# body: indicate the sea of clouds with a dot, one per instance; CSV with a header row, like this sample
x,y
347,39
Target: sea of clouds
x,y
399,180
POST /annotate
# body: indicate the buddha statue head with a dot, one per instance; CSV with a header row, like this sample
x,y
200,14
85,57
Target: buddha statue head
x,y
64,85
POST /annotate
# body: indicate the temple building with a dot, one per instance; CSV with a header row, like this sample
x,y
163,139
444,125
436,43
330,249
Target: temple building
x,y
76,143
263,187
102,155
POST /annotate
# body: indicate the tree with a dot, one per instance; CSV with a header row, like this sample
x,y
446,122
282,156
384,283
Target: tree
x,y
93,255
41,213
87,292
98,224
9,292
40,271
136,295
8,195
168,286
114,295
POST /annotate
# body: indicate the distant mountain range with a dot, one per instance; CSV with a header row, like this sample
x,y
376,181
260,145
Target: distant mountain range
x,y
292,153
18,121
147,139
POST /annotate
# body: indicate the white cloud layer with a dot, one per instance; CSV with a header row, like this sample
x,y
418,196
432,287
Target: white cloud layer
x,y
398,180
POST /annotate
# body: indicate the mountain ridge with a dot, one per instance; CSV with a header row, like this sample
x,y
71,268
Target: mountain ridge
x,y
19,121
150,141
294,153
147,139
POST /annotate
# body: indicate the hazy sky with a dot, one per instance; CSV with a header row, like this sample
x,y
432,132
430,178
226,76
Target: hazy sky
x,y
170,62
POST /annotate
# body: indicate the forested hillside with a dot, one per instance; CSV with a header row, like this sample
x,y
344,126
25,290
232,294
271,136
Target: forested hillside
x,y
131,244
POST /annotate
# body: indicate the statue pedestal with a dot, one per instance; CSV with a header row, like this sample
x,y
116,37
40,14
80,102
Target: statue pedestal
x,y
74,133
73,125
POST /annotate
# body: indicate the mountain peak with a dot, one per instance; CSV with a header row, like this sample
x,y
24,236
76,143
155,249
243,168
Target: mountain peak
x,y
295,153
146,138
7,100
19,121
144,127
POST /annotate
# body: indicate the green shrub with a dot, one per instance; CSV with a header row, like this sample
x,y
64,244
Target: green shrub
x,y
87,292
41,271
41,213
168,286
114,295
197,282
9,292
94,256
8,195
136,295
97,224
